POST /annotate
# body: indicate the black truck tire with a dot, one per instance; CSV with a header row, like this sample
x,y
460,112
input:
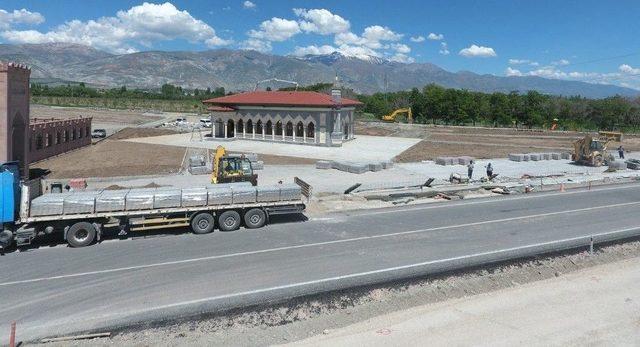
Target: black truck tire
x,y
81,234
202,223
255,218
229,220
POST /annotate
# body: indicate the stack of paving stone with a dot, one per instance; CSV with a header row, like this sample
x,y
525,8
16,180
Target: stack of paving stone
x,y
160,198
353,167
198,165
463,160
537,156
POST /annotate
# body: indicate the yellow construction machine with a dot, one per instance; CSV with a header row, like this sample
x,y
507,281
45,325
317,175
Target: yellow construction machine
x,y
227,169
590,151
391,117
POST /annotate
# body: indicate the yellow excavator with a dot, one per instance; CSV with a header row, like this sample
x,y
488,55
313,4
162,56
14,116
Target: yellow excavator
x,y
227,169
590,151
391,117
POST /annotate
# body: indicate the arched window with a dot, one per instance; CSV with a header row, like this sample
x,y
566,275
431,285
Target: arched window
x,y
48,140
311,130
289,129
300,129
80,133
269,127
259,127
250,126
38,141
74,134
58,138
279,128
65,138
87,130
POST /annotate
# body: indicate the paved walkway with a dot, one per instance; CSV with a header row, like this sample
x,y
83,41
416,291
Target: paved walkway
x,y
362,148
599,306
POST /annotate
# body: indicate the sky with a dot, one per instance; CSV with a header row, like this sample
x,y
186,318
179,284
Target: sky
x,y
586,40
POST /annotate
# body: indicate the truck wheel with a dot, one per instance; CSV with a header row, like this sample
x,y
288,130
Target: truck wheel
x,y
81,234
255,218
229,220
202,223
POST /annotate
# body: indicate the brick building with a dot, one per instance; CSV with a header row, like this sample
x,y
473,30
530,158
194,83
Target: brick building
x,y
284,116
14,114
27,140
49,137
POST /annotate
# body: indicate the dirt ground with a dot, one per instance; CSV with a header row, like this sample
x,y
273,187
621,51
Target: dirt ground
x,y
482,143
301,318
111,158
131,133
101,116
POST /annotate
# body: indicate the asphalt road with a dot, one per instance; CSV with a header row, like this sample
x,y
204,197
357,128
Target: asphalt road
x,y
60,290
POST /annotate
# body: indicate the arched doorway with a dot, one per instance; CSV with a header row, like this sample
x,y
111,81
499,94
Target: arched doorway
x,y
289,129
219,128
300,130
249,127
311,130
241,126
279,128
269,130
231,127
345,131
259,127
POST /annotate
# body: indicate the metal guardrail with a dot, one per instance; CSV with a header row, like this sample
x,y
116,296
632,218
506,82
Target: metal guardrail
x,y
307,189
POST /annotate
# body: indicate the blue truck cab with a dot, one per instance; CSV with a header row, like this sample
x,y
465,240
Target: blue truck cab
x,y
9,199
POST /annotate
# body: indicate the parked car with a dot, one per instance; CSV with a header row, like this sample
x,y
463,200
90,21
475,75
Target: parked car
x,y
98,133
205,122
181,121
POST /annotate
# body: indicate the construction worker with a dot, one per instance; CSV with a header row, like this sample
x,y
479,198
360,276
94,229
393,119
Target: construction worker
x,y
470,170
621,152
489,171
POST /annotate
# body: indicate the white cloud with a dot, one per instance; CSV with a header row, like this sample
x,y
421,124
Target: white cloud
x,y
256,45
561,62
276,29
139,25
372,37
513,72
444,48
249,5
523,62
627,69
477,51
402,58
417,38
377,33
321,21
435,37
401,48
313,50
23,16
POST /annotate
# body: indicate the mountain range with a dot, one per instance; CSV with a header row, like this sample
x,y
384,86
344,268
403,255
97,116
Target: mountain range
x,y
237,70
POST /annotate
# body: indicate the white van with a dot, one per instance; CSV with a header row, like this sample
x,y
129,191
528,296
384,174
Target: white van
x,y
205,122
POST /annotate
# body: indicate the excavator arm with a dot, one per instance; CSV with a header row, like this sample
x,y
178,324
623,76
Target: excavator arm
x,y
391,117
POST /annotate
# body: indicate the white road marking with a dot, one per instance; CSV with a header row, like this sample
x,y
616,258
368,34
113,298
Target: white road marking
x,y
372,272
315,244
444,204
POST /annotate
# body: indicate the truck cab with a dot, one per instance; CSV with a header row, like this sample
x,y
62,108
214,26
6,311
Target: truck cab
x,y
9,199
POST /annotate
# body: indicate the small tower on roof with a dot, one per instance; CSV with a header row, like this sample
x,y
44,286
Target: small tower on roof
x,y
336,91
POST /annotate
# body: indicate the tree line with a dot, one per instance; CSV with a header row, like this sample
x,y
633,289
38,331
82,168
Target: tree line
x,y
438,105
166,92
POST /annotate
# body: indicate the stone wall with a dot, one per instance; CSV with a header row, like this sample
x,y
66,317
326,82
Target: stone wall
x,y
49,137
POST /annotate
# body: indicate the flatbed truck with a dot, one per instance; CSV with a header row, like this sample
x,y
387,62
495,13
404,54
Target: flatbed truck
x,y
18,226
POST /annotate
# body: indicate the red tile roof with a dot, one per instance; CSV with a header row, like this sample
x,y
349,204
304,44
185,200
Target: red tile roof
x,y
280,98
220,109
